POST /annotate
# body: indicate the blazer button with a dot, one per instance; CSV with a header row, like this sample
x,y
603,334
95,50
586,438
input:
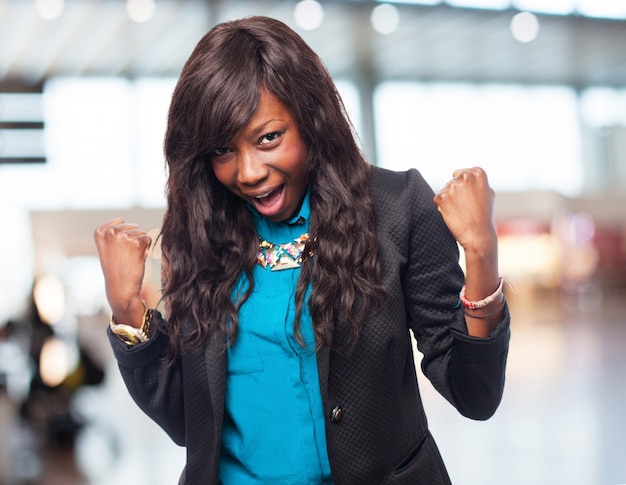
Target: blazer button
x,y
336,414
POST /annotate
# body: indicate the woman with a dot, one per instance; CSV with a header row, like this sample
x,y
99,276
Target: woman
x,y
293,275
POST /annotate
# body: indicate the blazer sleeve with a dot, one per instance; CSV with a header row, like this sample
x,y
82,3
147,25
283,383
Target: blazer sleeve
x,y
153,380
469,372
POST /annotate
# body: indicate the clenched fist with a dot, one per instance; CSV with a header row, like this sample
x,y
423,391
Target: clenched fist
x,y
123,249
466,204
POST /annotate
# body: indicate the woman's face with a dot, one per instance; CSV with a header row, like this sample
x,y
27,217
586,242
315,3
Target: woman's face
x,y
265,163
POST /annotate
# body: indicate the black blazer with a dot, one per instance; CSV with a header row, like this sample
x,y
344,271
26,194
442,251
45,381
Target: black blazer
x,y
376,428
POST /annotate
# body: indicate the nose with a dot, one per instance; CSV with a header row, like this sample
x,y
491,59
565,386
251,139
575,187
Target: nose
x,y
251,169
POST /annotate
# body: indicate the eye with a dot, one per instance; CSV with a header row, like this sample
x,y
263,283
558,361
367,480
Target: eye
x,y
270,137
218,152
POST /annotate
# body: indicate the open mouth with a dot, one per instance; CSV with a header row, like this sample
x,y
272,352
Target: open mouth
x,y
270,203
268,199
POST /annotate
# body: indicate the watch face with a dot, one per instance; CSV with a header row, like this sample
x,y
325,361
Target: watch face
x,y
129,335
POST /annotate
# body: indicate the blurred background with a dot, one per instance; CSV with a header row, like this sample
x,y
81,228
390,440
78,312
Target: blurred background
x,y
532,90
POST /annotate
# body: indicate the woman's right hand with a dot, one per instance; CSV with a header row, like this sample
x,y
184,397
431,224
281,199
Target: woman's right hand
x,y
123,249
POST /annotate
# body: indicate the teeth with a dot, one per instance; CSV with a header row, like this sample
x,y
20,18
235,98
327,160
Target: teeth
x,y
262,196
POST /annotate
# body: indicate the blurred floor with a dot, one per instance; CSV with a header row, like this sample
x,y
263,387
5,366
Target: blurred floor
x,y
563,416
562,419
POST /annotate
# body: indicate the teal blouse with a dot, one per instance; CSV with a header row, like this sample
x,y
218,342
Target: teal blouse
x,y
273,428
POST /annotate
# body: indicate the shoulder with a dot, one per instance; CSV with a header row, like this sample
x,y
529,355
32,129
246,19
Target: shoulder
x,y
385,181
391,187
404,202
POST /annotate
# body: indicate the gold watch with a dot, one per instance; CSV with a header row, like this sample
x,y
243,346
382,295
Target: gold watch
x,y
133,335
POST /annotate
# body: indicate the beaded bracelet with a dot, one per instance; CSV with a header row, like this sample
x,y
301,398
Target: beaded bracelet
x,y
488,315
473,305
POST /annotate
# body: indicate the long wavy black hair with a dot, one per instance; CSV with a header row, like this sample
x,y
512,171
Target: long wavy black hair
x,y
208,236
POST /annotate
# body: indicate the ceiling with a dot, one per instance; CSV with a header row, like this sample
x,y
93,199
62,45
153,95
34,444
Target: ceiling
x,y
95,37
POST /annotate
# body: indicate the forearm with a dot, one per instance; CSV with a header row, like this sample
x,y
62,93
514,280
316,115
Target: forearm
x,y
482,279
466,204
129,312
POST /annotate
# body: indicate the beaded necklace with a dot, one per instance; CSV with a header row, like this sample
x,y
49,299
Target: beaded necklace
x,y
281,256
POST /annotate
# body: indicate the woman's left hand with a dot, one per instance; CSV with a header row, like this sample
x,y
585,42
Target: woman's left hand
x,y
466,204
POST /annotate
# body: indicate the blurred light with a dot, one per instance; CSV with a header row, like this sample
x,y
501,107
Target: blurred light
x,y
49,298
419,2
603,107
524,27
540,261
615,9
487,120
602,8
559,7
49,9
578,255
54,362
486,4
308,14
140,10
385,18
584,227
